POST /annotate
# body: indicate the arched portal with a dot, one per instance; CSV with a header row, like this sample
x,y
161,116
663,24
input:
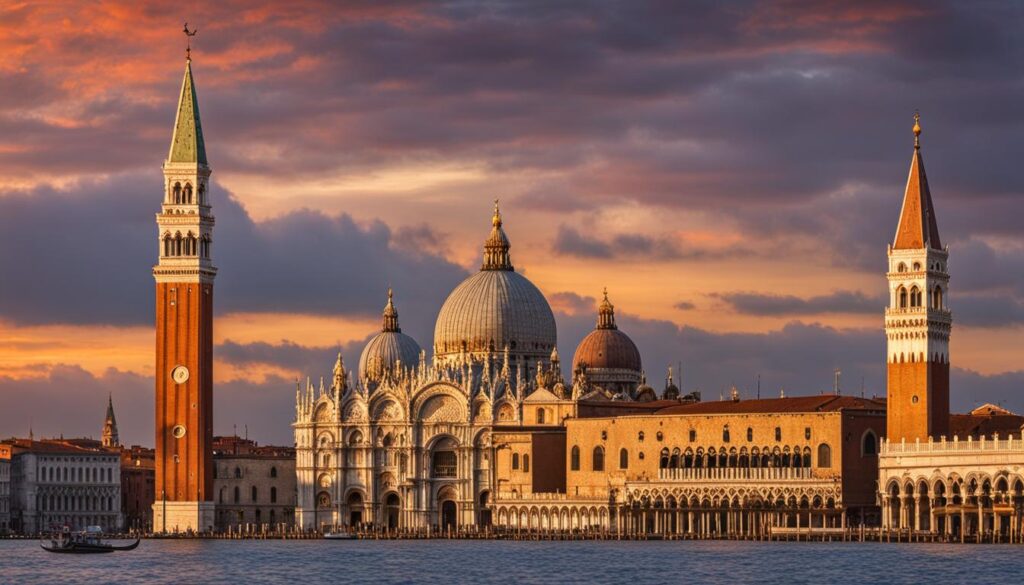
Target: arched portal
x,y
393,506
355,509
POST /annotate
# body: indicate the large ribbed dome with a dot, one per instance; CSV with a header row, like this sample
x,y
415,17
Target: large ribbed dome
x,y
495,308
386,348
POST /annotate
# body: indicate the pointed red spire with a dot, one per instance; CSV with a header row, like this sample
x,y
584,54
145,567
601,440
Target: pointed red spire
x,y
918,227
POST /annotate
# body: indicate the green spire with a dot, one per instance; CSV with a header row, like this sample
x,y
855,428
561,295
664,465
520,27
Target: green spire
x,y
187,142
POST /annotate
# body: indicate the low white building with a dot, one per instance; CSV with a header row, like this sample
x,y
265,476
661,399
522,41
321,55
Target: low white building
x,y
56,483
968,488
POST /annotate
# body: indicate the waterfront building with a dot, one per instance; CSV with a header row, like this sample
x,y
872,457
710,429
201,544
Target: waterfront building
x,y
5,489
731,467
255,485
957,475
184,278
138,482
64,482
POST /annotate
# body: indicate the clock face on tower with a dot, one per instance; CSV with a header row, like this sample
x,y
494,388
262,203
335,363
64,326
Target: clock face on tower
x,y
180,374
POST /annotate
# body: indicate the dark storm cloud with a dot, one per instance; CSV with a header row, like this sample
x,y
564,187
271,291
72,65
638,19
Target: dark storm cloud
x,y
571,242
91,263
310,361
780,305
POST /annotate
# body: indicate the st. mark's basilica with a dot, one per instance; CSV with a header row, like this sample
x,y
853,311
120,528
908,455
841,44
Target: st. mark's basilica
x,y
486,432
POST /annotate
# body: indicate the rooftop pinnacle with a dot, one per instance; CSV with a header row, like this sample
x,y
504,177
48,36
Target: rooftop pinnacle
x,y
187,144
918,227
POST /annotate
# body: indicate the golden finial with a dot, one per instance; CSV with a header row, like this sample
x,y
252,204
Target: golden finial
x,y
917,130
496,220
390,294
606,293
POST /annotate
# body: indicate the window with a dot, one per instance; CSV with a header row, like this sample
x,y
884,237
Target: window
x,y
445,464
917,266
574,458
869,445
237,495
693,435
273,495
598,458
807,433
604,435
254,493
515,461
326,460
824,455
750,434
725,433
902,295
273,472
540,416
526,463
915,297
901,268
663,462
778,433
238,473
640,437
623,458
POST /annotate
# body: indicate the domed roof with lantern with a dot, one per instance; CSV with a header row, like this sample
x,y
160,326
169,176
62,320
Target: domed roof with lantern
x,y
386,349
495,309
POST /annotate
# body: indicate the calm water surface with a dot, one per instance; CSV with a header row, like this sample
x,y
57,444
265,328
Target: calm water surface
x,y
475,562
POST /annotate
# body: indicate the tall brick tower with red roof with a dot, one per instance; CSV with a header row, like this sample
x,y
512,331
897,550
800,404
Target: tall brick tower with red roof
x,y
918,320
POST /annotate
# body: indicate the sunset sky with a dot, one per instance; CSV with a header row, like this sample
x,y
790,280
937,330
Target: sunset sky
x,y
732,172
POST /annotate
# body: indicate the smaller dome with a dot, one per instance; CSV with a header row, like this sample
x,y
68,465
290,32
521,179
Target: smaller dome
x,y
387,348
606,347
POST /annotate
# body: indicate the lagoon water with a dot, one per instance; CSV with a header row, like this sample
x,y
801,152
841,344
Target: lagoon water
x,y
481,562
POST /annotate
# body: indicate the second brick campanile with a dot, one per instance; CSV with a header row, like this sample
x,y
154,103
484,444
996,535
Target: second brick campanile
x,y
184,329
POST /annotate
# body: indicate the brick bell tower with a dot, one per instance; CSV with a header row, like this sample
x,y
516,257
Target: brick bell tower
x,y
184,329
918,321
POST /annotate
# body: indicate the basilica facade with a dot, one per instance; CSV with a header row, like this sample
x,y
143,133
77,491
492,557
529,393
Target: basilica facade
x,y
407,442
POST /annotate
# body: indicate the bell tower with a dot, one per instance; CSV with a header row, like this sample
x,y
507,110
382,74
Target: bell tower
x,y
184,329
918,321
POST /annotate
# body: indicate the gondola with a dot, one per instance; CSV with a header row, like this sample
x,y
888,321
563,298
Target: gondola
x,y
83,543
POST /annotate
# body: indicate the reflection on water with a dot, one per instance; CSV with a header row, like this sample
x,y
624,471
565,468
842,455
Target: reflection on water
x,y
438,561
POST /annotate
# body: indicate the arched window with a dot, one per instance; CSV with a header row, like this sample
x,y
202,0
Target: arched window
x,y
750,434
188,194
540,416
574,458
326,460
176,193
663,461
167,245
917,266
725,434
938,297
238,473
237,494
515,461
623,458
526,463
901,268
177,244
869,445
273,495
273,472
640,436
253,493
824,455
902,295
598,458
915,297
